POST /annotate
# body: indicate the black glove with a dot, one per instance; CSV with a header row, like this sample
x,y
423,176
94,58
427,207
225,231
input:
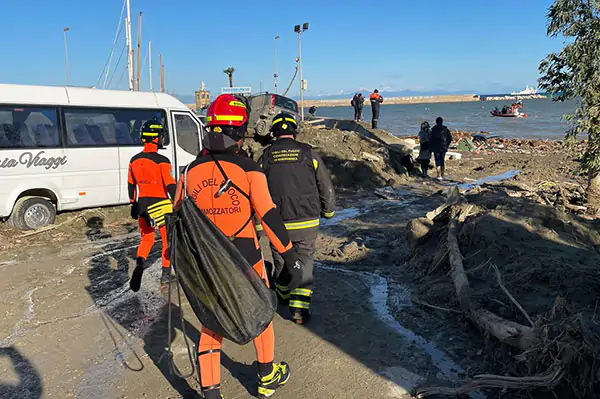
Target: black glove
x,y
135,210
291,275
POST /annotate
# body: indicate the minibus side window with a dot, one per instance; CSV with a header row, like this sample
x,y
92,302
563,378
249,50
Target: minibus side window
x,y
187,133
29,127
104,127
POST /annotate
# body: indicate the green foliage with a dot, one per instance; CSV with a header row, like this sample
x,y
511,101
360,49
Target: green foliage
x,y
574,72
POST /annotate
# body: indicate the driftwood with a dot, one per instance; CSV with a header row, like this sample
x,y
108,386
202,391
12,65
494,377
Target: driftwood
x,y
546,380
510,296
505,331
428,305
56,226
558,346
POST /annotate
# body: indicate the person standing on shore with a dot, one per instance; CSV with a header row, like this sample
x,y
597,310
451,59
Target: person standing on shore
x,y
355,105
376,101
439,142
424,148
359,103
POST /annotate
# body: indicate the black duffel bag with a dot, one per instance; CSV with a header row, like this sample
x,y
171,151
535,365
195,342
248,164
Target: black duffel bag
x,y
225,292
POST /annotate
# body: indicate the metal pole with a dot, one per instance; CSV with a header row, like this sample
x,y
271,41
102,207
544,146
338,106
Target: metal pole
x,y
139,51
276,75
301,78
129,47
65,30
162,76
150,62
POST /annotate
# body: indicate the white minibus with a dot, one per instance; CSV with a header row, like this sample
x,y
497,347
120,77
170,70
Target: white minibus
x,y
66,148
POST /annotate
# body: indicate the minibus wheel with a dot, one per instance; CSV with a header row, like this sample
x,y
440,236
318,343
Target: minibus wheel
x,y
31,213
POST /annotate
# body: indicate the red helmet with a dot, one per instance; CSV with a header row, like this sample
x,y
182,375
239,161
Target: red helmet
x,y
227,119
227,110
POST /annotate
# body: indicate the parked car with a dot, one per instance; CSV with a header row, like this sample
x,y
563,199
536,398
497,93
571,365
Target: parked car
x,y
264,107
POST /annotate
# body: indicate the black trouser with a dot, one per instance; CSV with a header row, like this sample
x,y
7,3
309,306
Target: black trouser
x,y
375,111
305,244
357,113
424,166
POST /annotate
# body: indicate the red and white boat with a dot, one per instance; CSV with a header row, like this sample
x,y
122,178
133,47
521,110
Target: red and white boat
x,y
514,112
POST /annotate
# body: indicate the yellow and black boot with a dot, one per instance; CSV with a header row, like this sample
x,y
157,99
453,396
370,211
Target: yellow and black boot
x,y
268,384
299,304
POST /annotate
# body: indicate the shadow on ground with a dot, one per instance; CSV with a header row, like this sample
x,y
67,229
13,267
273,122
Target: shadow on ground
x,y
29,380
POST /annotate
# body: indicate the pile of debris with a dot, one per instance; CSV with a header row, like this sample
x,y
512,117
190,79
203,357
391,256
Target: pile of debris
x,y
487,143
536,306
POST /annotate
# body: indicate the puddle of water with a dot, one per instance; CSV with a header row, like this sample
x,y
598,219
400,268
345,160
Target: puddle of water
x,y
342,215
490,179
448,369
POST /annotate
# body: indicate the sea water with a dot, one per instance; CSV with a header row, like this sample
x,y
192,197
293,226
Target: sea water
x,y
545,117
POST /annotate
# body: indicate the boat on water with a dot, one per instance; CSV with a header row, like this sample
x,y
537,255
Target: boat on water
x,y
515,115
515,111
529,91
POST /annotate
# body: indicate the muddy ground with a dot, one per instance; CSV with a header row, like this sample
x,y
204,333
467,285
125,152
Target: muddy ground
x,y
72,329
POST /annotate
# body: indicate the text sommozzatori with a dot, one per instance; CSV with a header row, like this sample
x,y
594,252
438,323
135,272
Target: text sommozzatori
x,y
232,194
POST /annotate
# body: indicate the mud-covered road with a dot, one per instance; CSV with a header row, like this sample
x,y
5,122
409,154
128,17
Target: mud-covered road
x,y
72,329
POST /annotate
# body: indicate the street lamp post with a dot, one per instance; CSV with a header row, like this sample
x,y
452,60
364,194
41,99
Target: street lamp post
x,y
299,29
65,30
276,74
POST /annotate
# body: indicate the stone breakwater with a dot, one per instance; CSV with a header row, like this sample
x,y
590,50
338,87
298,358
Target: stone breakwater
x,y
345,102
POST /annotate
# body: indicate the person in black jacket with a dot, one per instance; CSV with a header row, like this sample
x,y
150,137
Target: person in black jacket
x,y
439,142
357,103
303,192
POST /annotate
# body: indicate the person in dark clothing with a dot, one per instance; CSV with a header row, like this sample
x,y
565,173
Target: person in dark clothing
x,y
425,149
439,142
376,101
312,110
303,192
358,103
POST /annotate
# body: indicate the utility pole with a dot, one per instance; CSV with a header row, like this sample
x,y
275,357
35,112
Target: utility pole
x,y
299,30
162,75
150,62
139,51
65,30
129,47
276,74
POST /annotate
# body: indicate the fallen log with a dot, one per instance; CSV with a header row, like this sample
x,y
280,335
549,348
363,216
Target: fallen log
x,y
546,380
506,331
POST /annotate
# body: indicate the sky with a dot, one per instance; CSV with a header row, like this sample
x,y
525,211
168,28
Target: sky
x,y
394,45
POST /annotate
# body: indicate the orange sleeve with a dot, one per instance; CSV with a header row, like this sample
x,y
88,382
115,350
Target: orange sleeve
x,y
168,181
131,184
267,212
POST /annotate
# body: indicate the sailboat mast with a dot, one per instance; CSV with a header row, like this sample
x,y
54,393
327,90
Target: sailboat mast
x,y
162,75
129,47
150,62
139,51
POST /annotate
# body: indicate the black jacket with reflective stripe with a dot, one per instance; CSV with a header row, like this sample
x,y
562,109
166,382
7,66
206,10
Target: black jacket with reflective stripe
x,y
298,181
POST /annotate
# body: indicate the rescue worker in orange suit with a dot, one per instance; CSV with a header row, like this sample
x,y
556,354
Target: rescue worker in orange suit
x,y
151,188
302,190
376,101
230,189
